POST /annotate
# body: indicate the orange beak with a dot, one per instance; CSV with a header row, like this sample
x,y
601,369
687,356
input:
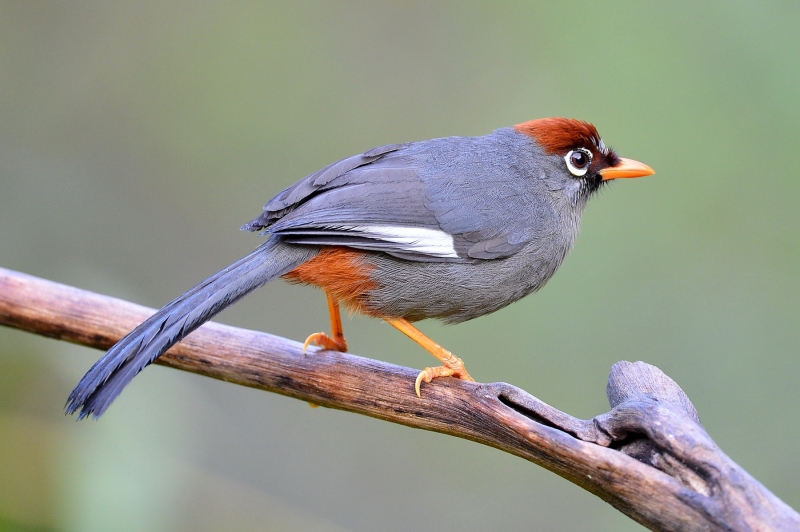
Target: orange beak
x,y
626,168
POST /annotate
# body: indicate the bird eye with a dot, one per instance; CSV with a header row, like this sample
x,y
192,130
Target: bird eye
x,y
578,162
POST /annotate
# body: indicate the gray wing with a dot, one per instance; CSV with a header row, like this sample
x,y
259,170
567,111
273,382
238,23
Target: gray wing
x,y
401,200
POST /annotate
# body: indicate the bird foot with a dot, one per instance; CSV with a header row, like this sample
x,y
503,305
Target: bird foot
x,y
325,342
453,367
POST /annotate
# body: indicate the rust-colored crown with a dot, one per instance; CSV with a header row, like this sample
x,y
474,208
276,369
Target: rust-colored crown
x,y
559,135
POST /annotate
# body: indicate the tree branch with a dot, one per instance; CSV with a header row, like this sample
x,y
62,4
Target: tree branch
x,y
649,457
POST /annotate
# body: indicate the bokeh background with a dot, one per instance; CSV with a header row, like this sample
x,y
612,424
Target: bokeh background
x,y
135,138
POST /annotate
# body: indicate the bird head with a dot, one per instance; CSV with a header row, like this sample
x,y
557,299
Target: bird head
x,y
584,156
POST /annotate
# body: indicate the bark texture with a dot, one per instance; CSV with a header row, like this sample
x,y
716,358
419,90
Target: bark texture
x,y
649,456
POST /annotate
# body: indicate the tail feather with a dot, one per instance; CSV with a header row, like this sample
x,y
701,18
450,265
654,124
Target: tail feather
x,y
106,379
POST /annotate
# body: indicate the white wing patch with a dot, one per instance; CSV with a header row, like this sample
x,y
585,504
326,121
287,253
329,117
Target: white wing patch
x,y
431,242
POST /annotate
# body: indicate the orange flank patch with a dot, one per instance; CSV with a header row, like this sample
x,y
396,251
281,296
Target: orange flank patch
x,y
559,135
342,272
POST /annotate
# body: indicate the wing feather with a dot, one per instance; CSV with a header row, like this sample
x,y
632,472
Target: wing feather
x,y
455,199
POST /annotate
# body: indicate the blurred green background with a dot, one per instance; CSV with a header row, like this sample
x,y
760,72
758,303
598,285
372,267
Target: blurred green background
x,y
135,138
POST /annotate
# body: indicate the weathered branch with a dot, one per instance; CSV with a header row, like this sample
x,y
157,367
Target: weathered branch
x,y
649,457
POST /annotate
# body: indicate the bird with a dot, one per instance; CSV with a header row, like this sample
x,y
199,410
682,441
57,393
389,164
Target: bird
x,y
450,228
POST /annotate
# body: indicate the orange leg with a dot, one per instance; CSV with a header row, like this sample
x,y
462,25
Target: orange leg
x,y
335,343
453,366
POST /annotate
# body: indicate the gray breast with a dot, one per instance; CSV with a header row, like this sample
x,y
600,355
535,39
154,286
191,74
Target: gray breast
x,y
457,292
538,220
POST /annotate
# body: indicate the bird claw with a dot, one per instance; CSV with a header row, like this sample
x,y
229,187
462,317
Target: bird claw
x,y
325,342
453,367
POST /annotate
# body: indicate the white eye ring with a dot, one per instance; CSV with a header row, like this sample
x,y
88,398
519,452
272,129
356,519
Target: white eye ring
x,y
574,170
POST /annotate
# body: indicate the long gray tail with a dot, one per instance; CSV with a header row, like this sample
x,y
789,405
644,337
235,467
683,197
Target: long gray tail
x,y
104,382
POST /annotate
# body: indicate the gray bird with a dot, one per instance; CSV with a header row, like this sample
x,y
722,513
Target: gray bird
x,y
450,228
